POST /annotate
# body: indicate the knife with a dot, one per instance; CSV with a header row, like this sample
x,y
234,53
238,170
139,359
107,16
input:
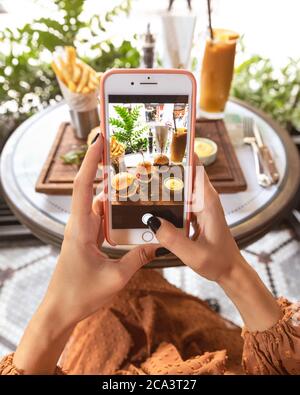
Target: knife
x,y
266,155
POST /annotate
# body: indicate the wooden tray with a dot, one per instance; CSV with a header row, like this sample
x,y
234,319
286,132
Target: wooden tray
x,y
225,174
56,178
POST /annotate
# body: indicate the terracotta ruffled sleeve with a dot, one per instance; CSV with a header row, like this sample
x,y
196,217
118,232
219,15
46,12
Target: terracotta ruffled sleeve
x,y
7,367
166,360
276,350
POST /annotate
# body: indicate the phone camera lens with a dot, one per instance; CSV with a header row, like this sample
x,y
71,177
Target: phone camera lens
x,y
148,78
132,83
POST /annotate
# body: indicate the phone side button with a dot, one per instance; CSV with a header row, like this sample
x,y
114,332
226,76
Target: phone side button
x,y
147,236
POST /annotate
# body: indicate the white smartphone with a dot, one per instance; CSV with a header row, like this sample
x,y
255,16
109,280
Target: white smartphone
x,y
148,122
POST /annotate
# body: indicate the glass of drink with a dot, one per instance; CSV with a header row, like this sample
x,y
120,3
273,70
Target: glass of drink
x,y
217,72
178,145
161,137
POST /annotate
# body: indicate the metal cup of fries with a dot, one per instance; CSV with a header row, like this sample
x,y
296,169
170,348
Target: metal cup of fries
x,y
79,84
84,121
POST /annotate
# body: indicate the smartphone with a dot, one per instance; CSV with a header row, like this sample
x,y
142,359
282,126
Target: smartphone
x,y
148,122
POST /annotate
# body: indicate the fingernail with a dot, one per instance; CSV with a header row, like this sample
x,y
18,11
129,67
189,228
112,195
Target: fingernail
x,y
162,251
95,138
213,304
153,223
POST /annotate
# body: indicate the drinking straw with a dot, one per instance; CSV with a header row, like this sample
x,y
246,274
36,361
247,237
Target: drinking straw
x,y
209,20
174,120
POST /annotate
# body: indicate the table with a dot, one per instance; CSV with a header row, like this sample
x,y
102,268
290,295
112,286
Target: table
x,y
250,214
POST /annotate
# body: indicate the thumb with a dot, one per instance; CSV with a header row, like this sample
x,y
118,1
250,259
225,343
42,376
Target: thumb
x,y
136,258
175,240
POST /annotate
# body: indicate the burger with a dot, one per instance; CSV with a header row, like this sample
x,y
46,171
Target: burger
x,y
161,162
124,184
144,172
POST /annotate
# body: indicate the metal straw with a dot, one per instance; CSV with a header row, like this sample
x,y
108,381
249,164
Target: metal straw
x,y
174,119
209,20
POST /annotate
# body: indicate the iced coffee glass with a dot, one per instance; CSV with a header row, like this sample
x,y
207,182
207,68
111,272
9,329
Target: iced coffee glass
x,y
217,72
178,145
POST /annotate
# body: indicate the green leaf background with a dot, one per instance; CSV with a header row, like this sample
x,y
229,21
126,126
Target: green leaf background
x,y
277,92
27,82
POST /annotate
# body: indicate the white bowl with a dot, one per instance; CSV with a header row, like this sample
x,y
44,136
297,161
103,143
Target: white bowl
x,y
211,157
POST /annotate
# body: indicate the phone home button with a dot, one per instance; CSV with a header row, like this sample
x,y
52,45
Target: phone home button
x,y
147,236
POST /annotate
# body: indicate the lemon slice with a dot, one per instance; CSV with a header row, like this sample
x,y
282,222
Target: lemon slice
x,y
225,35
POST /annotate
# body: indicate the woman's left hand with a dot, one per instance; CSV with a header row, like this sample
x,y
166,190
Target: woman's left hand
x,y
84,278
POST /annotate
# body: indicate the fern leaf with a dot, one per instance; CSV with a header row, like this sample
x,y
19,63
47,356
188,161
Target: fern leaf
x,y
125,116
139,132
117,122
135,113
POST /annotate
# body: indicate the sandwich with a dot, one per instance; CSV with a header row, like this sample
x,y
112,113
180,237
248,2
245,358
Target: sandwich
x,y
124,184
161,162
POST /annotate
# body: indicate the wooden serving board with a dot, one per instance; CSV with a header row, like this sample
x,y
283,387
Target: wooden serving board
x,y
56,178
225,173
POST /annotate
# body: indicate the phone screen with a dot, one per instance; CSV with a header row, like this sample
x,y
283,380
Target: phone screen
x,y
149,140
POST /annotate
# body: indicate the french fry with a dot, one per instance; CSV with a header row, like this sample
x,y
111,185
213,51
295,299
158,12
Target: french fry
x,y
84,78
58,72
71,56
64,70
92,86
93,82
85,89
70,59
76,73
94,78
72,86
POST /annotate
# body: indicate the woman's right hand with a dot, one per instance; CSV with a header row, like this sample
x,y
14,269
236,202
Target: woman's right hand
x,y
215,255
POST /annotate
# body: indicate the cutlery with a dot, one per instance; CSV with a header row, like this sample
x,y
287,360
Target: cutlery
x,y
265,154
263,179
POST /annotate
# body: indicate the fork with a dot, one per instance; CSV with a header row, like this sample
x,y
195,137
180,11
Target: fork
x,y
263,179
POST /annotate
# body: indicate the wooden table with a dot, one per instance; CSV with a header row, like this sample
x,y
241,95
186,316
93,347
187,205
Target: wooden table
x,y
250,214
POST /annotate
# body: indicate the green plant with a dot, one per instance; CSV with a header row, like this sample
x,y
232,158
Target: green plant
x,y
128,130
277,92
27,82
74,157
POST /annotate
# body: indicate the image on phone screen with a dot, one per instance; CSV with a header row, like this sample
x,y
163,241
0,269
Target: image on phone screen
x,y
148,137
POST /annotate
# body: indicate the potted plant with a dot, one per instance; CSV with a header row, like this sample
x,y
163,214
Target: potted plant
x,y
128,129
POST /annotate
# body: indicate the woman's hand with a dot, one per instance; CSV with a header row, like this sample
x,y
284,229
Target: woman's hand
x,y
215,256
84,278
214,252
